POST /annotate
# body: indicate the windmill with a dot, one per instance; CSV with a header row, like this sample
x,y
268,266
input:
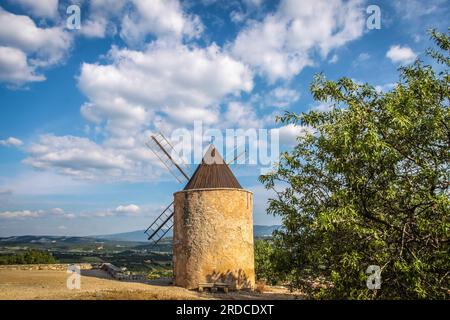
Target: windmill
x,y
166,153
212,221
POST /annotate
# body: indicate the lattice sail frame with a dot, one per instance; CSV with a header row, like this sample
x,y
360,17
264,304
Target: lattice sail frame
x,y
166,153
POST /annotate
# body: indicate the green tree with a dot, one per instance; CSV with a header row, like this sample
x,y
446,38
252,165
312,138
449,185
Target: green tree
x,y
264,255
370,186
28,257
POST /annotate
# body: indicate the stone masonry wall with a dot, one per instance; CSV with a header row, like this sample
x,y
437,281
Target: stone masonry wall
x,y
213,238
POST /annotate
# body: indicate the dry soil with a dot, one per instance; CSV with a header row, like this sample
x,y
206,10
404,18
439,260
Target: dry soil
x,y
50,284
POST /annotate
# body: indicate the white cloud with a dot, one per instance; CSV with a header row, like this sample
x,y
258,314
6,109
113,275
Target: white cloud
x,y
288,134
61,213
101,19
25,214
48,45
21,214
282,97
25,47
253,3
283,43
399,54
130,209
240,115
75,156
237,16
415,9
84,159
57,211
322,107
39,8
11,141
122,210
162,18
385,87
183,83
95,27
14,68
136,20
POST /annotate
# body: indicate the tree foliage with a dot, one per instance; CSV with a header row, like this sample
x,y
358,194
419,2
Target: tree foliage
x,y
28,257
264,261
370,186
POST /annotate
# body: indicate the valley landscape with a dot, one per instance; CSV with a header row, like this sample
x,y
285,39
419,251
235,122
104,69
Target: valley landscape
x,y
124,250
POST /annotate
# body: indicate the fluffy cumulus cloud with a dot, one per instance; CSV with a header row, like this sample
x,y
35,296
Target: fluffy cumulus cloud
x,y
22,214
128,209
24,47
137,91
82,158
241,115
26,214
14,67
135,20
122,210
284,43
162,18
282,97
288,134
39,8
180,82
399,54
162,80
102,17
11,141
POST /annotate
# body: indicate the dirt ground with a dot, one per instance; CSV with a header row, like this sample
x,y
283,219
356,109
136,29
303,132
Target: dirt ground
x,y
50,284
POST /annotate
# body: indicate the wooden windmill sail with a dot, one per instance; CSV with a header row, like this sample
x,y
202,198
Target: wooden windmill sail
x,y
164,150
202,177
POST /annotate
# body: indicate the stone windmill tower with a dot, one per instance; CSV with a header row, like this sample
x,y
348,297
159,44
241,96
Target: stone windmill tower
x,y
212,220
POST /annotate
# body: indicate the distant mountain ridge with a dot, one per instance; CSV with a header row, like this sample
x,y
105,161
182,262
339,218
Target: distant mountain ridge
x,y
139,235
132,236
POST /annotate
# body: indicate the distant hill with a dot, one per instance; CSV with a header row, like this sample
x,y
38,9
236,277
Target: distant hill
x,y
139,235
47,239
124,238
264,231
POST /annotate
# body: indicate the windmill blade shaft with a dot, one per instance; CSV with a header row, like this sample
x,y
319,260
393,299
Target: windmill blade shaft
x,y
165,152
170,158
237,157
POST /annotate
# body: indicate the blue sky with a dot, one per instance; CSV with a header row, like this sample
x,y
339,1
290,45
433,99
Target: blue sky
x,y
77,105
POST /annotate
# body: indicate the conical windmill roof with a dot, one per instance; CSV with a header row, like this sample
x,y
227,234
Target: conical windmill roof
x,y
212,172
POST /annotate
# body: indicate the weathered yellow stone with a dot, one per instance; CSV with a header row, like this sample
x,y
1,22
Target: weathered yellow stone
x,y
213,238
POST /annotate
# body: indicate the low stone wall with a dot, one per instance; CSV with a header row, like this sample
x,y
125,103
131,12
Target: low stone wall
x,y
60,267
